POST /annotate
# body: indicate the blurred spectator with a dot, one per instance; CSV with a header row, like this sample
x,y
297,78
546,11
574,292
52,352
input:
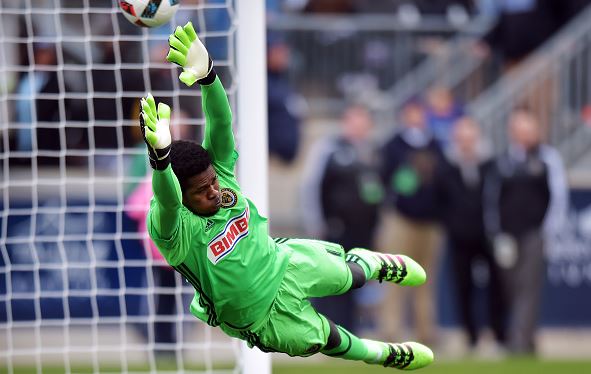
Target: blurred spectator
x,y
409,162
571,8
443,6
104,81
284,105
438,7
442,113
44,108
106,111
376,7
524,182
40,80
329,6
341,196
137,206
460,191
522,26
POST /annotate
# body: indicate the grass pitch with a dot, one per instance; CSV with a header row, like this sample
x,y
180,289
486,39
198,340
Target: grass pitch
x,y
512,366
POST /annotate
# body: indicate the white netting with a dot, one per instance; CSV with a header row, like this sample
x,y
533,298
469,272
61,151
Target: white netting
x,y
78,291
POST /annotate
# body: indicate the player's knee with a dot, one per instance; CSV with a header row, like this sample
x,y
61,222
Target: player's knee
x,y
334,337
357,274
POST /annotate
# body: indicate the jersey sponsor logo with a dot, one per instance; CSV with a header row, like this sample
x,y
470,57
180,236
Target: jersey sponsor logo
x,y
229,198
225,242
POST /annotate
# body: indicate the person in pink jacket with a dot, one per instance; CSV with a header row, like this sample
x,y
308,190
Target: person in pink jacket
x,y
163,332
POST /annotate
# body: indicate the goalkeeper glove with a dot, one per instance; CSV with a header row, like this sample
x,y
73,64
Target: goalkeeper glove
x,y
187,51
155,128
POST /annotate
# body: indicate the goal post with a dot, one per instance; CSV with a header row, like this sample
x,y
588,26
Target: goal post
x,y
252,124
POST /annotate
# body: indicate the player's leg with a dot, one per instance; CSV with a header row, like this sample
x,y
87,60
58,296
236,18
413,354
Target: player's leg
x,y
399,269
321,268
406,356
331,272
295,328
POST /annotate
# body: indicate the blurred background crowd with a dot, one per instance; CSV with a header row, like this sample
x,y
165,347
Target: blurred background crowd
x,y
453,131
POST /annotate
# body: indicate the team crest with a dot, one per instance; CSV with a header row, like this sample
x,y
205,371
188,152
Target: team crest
x,y
229,198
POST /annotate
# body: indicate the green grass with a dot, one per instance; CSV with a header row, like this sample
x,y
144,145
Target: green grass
x,y
513,366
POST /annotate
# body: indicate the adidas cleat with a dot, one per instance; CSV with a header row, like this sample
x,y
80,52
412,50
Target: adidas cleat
x,y
401,270
407,356
398,269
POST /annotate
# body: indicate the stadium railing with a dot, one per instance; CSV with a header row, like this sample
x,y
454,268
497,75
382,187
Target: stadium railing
x,y
329,51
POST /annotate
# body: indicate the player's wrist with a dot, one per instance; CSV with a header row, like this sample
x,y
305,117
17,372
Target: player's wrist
x,y
210,77
160,165
160,158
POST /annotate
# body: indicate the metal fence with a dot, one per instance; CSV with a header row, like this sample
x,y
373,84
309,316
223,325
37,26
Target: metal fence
x,y
329,52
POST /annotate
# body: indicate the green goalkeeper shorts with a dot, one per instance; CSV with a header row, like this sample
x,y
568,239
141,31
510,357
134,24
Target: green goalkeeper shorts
x,y
316,269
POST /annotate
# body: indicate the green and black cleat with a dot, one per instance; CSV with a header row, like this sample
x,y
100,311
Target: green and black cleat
x,y
398,269
407,356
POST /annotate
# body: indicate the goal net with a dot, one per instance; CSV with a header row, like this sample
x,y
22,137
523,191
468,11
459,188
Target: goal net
x,y
81,287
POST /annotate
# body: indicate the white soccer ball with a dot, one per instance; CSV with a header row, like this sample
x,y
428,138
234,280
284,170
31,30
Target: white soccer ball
x,y
149,13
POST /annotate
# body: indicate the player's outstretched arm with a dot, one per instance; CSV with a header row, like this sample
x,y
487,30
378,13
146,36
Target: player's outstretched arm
x,y
187,51
154,124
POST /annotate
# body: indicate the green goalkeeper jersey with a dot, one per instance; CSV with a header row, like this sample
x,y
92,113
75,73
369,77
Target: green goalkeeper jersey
x,y
229,258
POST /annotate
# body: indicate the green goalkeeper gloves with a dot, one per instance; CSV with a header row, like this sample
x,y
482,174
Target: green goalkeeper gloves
x,y
187,51
155,128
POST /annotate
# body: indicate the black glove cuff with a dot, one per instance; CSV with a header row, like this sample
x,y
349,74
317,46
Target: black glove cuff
x,y
159,158
160,164
210,78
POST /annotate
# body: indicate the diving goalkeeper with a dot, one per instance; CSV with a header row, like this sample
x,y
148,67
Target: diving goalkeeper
x,y
253,287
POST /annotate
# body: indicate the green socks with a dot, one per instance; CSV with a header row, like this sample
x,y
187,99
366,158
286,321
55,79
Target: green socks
x,y
353,348
366,259
404,356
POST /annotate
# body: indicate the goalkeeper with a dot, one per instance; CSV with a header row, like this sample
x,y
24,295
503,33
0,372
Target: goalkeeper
x,y
253,287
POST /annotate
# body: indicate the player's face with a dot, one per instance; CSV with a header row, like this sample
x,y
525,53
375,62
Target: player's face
x,y
203,195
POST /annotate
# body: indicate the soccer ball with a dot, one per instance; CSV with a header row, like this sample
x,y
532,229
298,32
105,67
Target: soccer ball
x,y
149,13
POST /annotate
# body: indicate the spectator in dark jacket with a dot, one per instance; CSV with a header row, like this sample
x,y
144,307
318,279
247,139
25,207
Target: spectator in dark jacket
x,y
341,197
44,109
409,223
522,193
460,191
284,106
522,26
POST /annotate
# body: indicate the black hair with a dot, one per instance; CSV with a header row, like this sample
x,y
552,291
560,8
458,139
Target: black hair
x,y
188,159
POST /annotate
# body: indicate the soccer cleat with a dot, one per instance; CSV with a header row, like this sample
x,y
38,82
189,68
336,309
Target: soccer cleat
x,y
407,356
398,269
401,270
